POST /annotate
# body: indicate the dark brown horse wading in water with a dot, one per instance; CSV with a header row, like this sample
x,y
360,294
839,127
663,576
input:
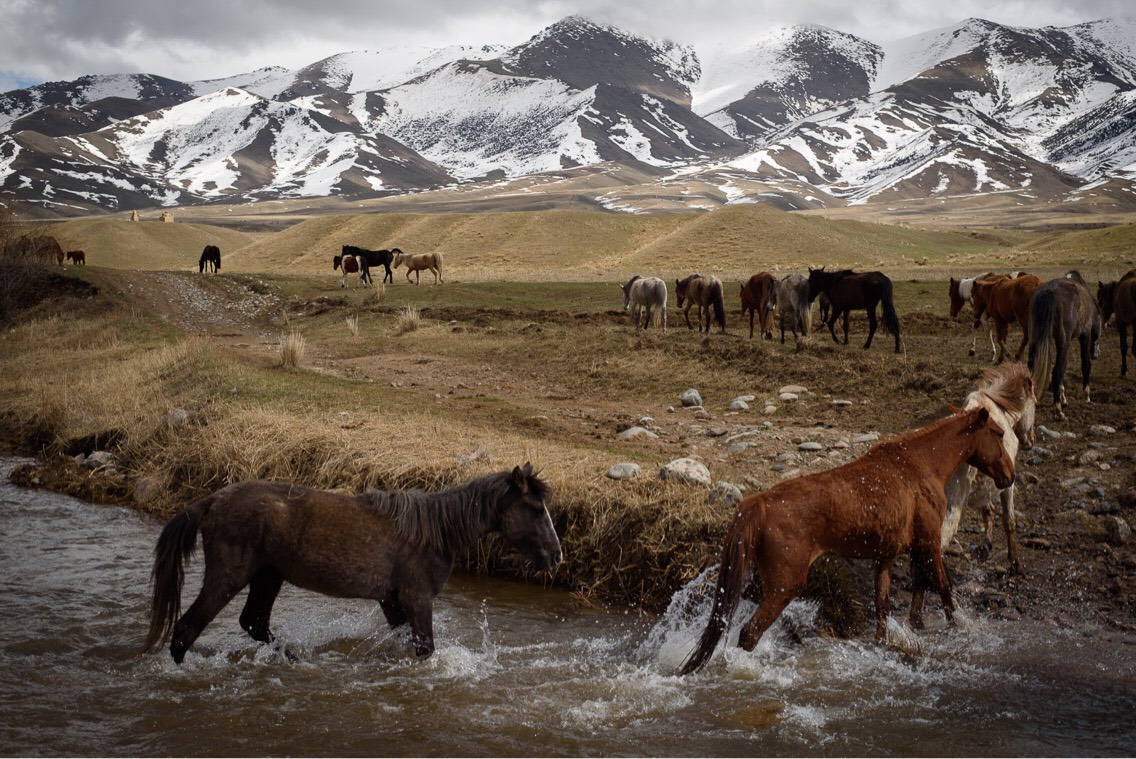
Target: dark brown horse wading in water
x,y
755,299
888,501
1004,300
395,547
1061,311
1119,298
210,258
706,294
847,291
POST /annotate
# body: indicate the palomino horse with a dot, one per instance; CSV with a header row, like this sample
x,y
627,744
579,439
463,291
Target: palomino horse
x,y
848,290
372,258
706,293
394,547
347,265
961,292
755,299
1008,396
77,257
417,262
646,294
1005,301
790,296
210,258
1061,311
1119,298
888,501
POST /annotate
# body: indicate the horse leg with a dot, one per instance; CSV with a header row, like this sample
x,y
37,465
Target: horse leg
x,y
872,324
216,593
883,598
263,589
1003,329
833,316
750,321
847,311
389,275
394,613
1086,363
419,611
1122,328
686,315
1057,381
1009,526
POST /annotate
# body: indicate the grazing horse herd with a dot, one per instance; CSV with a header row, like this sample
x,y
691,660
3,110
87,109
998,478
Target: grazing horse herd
x,y
904,496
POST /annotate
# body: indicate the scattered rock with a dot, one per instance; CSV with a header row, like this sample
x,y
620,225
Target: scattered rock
x,y
1117,531
97,460
1101,429
727,493
716,432
147,489
870,437
769,409
841,404
1089,457
687,470
1043,430
1103,507
175,419
626,471
794,389
739,405
754,483
740,447
810,445
691,398
747,399
738,436
787,397
633,432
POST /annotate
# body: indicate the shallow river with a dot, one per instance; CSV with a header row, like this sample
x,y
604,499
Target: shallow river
x,y
518,671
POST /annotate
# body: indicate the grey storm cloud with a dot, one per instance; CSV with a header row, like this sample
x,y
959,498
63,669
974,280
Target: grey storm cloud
x,y
196,39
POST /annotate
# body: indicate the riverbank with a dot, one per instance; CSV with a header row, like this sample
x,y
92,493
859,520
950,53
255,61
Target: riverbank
x,y
183,373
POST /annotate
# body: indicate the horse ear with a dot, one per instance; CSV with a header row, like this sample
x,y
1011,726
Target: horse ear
x,y
520,480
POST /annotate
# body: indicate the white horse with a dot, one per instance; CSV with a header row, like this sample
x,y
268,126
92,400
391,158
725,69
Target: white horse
x,y
416,262
648,293
790,297
1008,394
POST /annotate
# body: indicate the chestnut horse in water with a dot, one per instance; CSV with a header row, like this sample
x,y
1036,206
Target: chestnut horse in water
x,y
395,547
1119,298
706,294
755,299
1004,300
888,501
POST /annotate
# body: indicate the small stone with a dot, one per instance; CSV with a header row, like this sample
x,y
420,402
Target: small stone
x,y
626,471
1103,507
716,432
840,444
727,493
1117,530
686,470
747,399
841,404
787,397
691,398
702,413
740,447
1101,429
795,389
1043,430
869,437
97,460
810,445
740,435
754,483
646,421
769,409
1088,457
739,405
777,468
633,432
174,419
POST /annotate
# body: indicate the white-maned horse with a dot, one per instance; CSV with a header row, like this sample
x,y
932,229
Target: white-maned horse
x,y
416,262
1008,394
646,293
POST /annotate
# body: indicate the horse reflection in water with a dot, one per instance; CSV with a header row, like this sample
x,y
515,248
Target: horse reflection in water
x,y
888,501
396,547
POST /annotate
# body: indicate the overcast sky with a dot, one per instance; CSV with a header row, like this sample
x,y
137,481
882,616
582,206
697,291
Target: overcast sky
x,y
47,40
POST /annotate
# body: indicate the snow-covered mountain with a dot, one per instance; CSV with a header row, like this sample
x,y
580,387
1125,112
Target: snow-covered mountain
x,y
977,107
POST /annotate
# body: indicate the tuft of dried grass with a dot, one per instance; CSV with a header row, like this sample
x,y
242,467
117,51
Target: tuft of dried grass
x,y
379,294
292,350
353,325
409,319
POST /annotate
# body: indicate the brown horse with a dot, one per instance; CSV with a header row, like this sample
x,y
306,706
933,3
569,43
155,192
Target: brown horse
x,y
755,299
348,265
1119,298
1062,310
77,257
888,501
706,293
1005,300
848,291
417,262
394,547
961,292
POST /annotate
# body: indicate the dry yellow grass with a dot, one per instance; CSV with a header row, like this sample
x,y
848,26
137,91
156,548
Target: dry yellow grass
x,y
292,350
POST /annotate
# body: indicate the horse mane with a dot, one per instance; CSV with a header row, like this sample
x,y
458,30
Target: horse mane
x,y
686,282
451,519
1007,387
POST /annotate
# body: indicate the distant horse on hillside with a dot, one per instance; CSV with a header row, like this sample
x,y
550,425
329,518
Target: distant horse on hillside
x,y
1062,310
888,501
417,262
755,299
1009,397
393,547
1120,298
848,290
960,292
348,265
706,293
1005,300
371,258
77,257
646,294
210,258
790,296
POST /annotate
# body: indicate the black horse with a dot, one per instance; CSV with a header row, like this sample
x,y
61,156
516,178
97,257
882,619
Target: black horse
x,y
211,256
369,258
847,290
1061,311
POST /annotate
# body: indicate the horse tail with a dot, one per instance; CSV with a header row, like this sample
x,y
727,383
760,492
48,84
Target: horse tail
x,y
891,318
732,574
175,544
1042,317
438,264
719,305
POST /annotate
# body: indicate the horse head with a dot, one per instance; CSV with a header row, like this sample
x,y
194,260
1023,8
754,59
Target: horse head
x,y
336,261
1105,297
957,301
819,281
990,455
524,521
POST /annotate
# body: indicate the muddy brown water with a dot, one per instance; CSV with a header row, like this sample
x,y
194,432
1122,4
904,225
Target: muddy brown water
x,y
519,671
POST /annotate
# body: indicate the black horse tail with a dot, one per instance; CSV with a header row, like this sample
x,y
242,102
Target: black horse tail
x,y
1042,318
732,574
364,270
719,306
175,544
891,318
